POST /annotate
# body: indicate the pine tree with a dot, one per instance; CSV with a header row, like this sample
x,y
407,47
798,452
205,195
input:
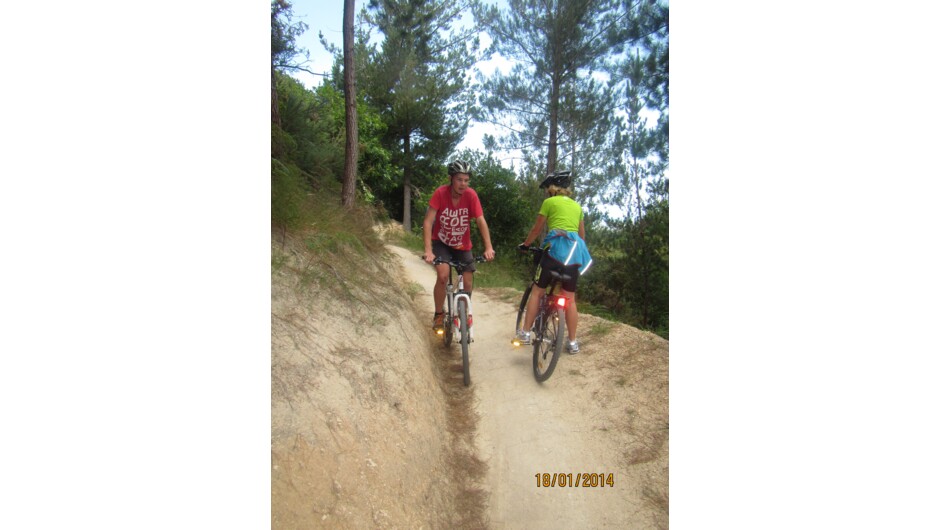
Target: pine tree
x,y
417,81
555,45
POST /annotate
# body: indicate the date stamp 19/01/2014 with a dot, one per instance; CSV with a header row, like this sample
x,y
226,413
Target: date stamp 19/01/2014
x,y
574,480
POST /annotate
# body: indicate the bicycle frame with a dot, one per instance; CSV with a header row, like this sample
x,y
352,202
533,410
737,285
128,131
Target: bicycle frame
x,y
453,297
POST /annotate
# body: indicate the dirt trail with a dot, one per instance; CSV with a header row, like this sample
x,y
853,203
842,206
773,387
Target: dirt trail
x,y
579,421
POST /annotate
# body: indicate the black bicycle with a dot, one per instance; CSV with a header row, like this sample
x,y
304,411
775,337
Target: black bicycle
x,y
548,329
462,319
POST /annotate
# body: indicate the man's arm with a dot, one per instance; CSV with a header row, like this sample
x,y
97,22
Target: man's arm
x,y
581,229
426,232
488,253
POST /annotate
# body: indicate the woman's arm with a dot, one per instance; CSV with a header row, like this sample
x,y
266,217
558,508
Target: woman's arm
x,y
536,230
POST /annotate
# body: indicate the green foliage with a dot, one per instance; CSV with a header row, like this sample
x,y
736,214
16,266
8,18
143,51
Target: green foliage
x,y
288,193
312,137
311,121
630,275
497,273
507,214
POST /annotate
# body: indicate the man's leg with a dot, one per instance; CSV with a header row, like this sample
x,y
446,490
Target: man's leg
x,y
440,290
468,281
440,286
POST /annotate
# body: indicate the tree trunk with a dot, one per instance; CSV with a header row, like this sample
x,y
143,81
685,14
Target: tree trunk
x,y
406,215
553,125
352,121
636,185
275,115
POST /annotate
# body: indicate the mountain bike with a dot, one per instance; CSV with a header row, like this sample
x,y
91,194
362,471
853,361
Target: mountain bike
x,y
548,329
462,319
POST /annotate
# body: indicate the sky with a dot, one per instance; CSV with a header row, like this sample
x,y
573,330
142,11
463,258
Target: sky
x,y
320,16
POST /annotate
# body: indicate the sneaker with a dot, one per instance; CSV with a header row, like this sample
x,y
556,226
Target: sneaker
x,y
573,347
438,321
522,337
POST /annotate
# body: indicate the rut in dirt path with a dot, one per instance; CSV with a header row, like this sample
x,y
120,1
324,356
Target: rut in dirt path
x,y
591,422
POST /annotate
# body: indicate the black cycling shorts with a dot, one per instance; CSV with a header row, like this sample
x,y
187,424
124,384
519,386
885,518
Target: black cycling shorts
x,y
549,263
443,251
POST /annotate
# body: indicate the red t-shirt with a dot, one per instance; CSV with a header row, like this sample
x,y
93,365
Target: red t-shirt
x,y
452,223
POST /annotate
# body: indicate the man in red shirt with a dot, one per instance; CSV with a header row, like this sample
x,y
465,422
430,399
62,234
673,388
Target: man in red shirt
x,y
447,231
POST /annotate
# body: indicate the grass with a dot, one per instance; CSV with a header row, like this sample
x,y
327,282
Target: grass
x,y
601,328
497,273
408,240
412,290
598,311
332,250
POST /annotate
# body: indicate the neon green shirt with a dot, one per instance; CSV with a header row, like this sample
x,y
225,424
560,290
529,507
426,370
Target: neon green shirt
x,y
562,213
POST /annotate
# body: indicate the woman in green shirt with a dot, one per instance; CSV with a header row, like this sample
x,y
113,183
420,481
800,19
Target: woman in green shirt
x,y
566,252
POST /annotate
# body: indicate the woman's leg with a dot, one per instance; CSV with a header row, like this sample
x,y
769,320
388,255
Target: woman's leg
x,y
571,315
532,307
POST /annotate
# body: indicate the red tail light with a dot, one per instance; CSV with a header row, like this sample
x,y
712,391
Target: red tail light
x,y
561,301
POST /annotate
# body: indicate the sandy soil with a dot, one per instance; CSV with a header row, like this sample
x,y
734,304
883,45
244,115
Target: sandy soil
x,y
359,433
603,411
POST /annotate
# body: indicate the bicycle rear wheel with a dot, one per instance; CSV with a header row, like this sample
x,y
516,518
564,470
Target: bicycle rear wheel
x,y
548,343
464,340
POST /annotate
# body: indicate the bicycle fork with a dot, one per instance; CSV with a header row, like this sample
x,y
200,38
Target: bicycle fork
x,y
456,316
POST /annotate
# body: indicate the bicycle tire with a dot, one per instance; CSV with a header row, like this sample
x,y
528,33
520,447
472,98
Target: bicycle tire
x,y
548,343
464,340
520,314
448,325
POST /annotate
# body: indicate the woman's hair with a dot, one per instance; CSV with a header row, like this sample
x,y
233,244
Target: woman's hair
x,y
557,190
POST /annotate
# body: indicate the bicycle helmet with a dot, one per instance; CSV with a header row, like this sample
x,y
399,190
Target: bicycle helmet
x,y
562,179
459,166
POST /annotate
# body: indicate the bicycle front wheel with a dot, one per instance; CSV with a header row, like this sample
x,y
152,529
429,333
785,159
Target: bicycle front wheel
x,y
464,340
520,314
548,343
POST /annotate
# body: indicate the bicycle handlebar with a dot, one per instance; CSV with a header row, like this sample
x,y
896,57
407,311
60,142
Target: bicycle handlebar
x,y
457,264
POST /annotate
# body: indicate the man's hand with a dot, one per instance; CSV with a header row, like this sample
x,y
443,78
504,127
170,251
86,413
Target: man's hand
x,y
489,254
428,256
